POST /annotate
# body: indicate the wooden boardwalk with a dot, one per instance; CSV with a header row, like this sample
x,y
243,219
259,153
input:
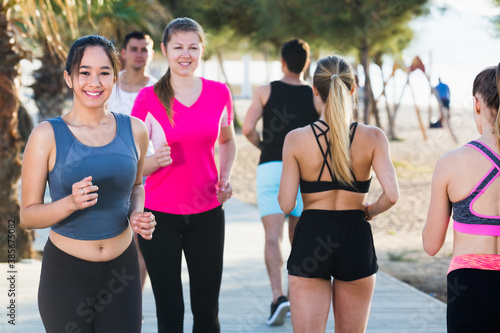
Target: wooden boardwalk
x,y
245,294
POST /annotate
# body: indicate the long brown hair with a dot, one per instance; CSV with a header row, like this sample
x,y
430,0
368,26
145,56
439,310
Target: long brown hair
x,y
334,79
487,84
163,88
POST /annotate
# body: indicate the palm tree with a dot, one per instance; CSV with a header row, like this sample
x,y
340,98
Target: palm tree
x,y
52,24
110,18
18,19
11,52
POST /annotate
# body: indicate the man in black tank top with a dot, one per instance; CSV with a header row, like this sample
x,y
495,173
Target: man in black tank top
x,y
283,105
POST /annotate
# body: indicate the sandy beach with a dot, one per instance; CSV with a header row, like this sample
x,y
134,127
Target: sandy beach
x,y
397,233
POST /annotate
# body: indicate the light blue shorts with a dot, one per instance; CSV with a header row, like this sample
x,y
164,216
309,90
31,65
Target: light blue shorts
x,y
268,185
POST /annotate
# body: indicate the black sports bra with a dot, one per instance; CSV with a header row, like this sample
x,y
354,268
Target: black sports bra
x,y
321,186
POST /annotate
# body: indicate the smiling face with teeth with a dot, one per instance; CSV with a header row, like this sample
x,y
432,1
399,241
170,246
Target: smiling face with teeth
x,y
93,81
183,51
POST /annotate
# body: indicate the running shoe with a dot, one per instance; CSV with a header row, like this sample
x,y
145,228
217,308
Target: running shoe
x,y
278,311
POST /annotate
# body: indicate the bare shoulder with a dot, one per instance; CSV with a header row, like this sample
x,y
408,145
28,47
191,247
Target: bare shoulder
x,y
263,93
370,134
299,136
455,158
300,132
139,129
138,125
43,133
42,141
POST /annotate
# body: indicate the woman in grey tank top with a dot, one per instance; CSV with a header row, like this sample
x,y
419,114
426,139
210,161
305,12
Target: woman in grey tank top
x,y
93,161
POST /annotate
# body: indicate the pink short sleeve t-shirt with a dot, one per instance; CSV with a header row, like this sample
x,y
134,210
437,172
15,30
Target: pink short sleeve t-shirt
x,y
187,186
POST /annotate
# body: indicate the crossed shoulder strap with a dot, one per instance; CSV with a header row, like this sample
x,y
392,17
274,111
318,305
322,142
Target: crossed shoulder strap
x,y
493,158
318,132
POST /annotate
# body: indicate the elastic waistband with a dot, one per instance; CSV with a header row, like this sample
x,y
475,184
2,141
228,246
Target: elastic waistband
x,y
476,261
356,214
57,255
219,207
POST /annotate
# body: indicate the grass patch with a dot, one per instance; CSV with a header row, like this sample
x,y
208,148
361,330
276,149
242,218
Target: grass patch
x,y
407,170
401,256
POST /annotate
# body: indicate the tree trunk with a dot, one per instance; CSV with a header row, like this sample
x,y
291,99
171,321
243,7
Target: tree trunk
x,y
10,162
390,123
365,62
220,59
49,88
369,100
24,125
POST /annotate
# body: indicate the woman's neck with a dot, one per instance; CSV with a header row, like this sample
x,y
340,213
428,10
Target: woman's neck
x,y
88,117
183,83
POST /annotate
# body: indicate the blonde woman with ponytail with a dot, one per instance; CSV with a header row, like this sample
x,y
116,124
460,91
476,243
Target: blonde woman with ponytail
x,y
186,116
465,184
333,260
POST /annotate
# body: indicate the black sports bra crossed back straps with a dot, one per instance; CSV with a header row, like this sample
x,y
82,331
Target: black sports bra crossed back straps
x,y
334,184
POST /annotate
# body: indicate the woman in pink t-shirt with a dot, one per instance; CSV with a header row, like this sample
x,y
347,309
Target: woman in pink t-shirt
x,y
185,116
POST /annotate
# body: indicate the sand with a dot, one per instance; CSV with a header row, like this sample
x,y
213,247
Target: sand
x,y
397,232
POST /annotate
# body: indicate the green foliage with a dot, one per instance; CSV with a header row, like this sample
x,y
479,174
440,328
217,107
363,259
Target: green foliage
x,y
496,20
57,24
402,256
115,18
343,26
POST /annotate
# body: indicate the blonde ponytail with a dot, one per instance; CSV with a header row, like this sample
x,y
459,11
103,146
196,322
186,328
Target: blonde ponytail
x,y
334,80
338,115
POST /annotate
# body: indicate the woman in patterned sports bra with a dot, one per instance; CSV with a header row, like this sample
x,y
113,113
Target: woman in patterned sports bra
x,y
465,184
332,160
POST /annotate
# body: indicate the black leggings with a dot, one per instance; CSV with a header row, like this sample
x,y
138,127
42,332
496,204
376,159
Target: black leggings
x,y
76,295
473,301
201,236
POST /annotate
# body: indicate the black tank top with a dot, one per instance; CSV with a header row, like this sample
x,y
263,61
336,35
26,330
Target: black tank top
x,y
289,107
334,184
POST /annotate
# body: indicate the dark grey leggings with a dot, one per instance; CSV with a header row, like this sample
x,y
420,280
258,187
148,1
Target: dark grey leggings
x,y
201,237
473,301
76,295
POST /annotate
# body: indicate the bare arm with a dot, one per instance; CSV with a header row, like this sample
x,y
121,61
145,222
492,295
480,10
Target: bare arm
x,y
142,223
161,158
290,176
254,113
227,156
386,175
35,214
438,216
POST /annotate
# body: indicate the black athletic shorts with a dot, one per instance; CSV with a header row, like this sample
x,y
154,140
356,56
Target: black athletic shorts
x,y
336,244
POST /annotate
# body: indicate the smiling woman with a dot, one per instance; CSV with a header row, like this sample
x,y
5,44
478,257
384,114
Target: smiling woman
x,y
185,190
86,154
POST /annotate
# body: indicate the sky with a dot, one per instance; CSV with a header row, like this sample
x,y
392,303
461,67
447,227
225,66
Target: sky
x,y
455,46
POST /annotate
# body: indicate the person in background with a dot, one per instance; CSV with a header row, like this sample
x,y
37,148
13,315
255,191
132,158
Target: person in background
x,y
283,105
188,114
332,160
443,93
137,53
90,274
465,184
